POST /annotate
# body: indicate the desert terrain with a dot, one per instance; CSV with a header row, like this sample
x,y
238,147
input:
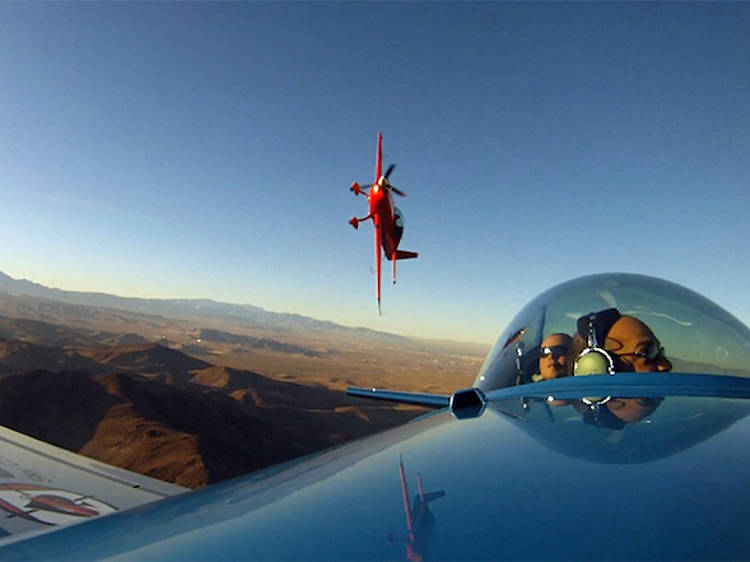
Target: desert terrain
x,y
195,392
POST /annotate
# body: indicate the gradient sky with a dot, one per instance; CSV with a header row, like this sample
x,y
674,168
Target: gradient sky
x,y
206,150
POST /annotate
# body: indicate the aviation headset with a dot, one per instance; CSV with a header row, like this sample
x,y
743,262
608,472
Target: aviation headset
x,y
593,328
595,360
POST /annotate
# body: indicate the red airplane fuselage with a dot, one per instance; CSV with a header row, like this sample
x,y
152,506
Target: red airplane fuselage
x,y
386,218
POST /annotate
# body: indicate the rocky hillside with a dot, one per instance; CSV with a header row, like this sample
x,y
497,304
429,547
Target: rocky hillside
x,y
162,413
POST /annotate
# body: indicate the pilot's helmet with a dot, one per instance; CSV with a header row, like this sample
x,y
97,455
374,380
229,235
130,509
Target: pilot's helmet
x,y
620,322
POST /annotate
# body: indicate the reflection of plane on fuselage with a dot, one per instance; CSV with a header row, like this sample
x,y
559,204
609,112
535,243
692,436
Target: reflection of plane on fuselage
x,y
420,522
387,219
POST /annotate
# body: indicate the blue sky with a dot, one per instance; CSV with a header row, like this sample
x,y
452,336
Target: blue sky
x,y
205,150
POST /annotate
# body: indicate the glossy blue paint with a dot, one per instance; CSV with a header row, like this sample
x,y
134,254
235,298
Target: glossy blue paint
x,y
524,480
634,465
418,398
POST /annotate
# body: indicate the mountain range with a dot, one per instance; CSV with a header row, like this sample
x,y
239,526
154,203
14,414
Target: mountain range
x,y
249,315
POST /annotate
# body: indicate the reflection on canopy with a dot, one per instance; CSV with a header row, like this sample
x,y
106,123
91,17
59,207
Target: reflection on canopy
x,y
622,431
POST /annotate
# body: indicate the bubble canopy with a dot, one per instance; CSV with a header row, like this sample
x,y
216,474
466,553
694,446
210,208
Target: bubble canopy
x,y
640,324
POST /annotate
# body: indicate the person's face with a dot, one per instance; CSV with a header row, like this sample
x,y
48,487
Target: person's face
x,y
636,346
632,409
555,361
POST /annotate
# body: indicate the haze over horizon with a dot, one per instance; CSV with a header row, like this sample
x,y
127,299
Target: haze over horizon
x,y
205,151
41,289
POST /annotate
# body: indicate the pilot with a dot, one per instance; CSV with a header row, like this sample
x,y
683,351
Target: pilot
x,y
556,359
632,347
631,410
630,343
636,347
617,412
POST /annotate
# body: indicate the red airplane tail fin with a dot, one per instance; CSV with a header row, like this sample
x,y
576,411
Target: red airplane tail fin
x,y
404,255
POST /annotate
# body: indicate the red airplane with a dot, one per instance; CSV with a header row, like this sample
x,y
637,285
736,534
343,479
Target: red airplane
x,y
387,219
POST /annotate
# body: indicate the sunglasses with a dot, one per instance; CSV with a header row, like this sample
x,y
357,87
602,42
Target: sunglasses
x,y
558,350
653,350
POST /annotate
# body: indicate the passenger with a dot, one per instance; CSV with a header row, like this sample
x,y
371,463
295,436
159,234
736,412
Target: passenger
x,y
556,358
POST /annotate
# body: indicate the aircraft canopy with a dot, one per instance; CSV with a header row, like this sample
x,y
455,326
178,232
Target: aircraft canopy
x,y
641,323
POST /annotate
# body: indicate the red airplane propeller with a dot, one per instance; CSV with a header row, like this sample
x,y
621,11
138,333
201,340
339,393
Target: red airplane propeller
x,y
387,219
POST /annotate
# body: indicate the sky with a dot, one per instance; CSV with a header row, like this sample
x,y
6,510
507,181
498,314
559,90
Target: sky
x,y
205,150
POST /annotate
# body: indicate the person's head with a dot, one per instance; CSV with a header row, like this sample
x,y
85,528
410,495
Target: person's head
x,y
556,358
636,347
632,409
631,343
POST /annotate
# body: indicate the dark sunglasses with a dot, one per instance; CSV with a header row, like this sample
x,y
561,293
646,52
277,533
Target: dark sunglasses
x,y
652,351
558,350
